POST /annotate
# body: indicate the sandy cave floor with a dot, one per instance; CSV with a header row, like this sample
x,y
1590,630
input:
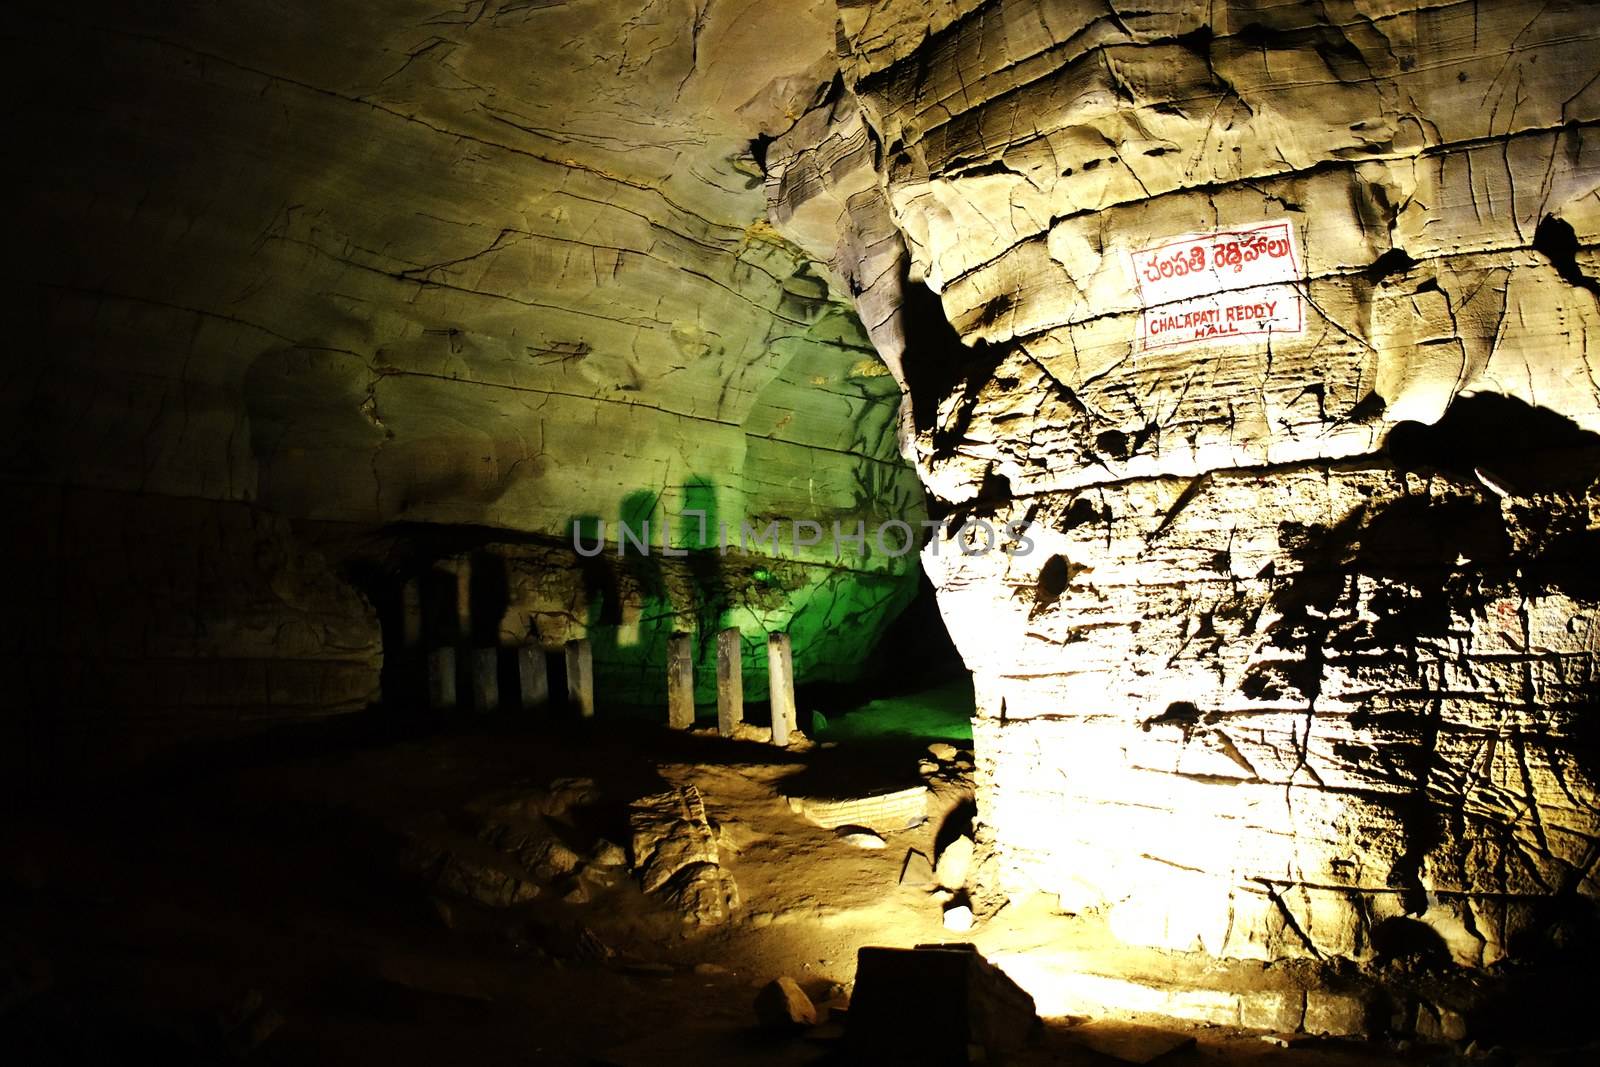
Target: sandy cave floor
x,y
262,909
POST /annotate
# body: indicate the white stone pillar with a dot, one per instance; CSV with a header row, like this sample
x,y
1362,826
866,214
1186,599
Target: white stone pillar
x,y
780,685
680,681
730,682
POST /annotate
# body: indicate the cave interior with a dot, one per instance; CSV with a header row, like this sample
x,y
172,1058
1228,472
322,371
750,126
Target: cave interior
x,y
823,532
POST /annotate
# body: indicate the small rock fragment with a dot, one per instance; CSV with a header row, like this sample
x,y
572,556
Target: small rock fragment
x,y
958,918
916,870
942,752
608,854
599,877
859,836
550,859
782,1005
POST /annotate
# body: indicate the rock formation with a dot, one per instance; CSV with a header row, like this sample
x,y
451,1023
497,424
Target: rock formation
x,y
676,855
1275,322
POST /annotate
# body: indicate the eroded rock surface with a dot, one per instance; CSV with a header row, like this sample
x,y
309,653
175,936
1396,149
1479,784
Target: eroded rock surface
x,y
1275,322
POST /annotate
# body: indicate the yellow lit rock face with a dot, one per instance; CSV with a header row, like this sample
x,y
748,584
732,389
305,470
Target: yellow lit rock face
x,y
1277,324
501,266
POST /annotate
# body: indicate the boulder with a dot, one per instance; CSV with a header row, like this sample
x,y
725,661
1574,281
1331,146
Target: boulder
x,y
955,862
783,1005
958,918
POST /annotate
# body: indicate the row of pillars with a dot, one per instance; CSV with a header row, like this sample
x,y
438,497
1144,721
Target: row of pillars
x,y
730,683
533,679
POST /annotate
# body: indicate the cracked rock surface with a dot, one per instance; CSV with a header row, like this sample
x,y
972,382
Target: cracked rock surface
x,y
1276,322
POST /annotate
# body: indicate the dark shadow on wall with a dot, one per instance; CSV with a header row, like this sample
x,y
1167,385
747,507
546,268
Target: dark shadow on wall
x,y
600,585
1431,559
915,651
441,618
1513,448
705,567
1503,442
448,612
488,596
612,577
604,595
936,362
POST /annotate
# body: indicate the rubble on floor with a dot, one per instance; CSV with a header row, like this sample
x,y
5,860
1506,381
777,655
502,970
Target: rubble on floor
x,y
675,856
521,844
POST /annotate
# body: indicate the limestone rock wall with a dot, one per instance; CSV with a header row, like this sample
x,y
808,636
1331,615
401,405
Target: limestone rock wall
x,y
1275,321
412,264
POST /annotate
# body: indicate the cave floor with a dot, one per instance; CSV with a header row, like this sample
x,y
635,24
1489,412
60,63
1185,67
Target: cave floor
x,y
259,908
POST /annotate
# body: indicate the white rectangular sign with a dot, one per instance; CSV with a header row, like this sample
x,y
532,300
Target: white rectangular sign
x,y
1228,285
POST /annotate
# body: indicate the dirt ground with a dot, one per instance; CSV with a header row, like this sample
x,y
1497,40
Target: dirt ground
x,y
266,907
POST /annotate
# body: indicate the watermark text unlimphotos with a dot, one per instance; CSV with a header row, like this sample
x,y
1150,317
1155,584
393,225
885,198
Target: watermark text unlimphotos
x,y
894,537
